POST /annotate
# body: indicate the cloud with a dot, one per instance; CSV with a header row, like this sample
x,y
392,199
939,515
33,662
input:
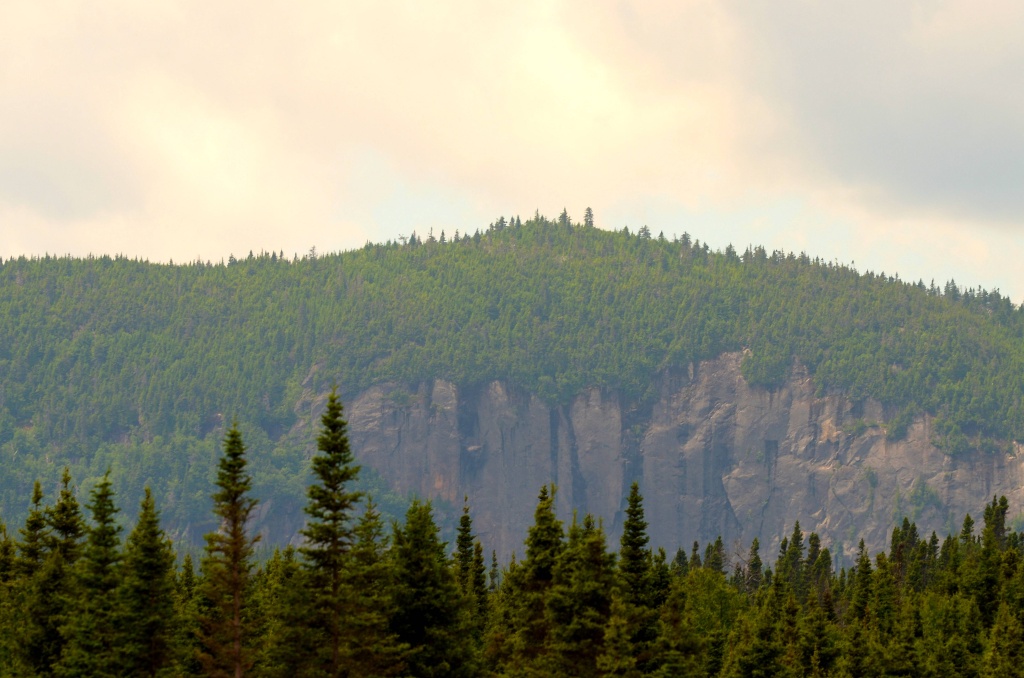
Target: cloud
x,y
184,129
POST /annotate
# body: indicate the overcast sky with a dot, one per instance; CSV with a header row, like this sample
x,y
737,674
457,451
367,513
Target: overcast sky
x,y
888,134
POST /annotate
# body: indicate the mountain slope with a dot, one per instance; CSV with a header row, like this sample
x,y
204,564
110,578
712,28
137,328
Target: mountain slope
x,y
137,366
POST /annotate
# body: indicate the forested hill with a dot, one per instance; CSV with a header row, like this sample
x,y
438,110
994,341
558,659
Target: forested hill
x,y
112,362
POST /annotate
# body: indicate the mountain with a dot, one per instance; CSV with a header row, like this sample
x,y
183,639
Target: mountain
x,y
744,391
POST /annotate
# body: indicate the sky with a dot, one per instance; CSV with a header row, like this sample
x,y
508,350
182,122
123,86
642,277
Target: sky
x,y
886,135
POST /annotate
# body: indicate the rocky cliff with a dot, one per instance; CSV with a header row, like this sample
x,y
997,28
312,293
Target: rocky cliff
x,y
713,456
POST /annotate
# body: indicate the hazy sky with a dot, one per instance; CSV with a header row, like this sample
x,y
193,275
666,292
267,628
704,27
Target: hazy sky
x,y
890,134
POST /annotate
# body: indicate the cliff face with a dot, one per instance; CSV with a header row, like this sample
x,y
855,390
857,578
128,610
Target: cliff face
x,y
713,456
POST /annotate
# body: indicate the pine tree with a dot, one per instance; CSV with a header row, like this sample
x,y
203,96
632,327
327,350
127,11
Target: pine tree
x,y
225,642
427,615
93,636
147,595
329,530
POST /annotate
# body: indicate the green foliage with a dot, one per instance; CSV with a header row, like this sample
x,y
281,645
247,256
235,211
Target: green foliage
x,y
146,596
410,610
427,611
328,532
122,364
226,644
92,631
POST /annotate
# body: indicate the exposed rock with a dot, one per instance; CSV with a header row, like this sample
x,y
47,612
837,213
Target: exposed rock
x,y
713,456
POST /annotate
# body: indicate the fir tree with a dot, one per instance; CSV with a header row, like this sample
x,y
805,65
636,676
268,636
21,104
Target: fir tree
x,y
53,581
531,582
329,530
281,604
427,615
636,572
677,648
35,536
1004,657
579,601
147,595
225,629
372,647
618,657
93,635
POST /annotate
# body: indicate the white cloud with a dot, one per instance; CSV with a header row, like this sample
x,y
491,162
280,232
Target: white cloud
x,y
886,134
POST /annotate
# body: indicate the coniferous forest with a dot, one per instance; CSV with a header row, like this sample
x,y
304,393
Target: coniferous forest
x,y
119,365
358,597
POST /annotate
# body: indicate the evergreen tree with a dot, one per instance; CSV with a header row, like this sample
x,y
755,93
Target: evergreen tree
x,y
329,530
427,615
372,647
1004,657
636,572
188,611
35,536
634,555
93,635
753,574
618,657
52,583
579,601
677,648
147,596
225,629
282,606
528,586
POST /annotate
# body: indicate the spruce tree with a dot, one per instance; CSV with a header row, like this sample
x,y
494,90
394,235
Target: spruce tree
x,y
1004,657
328,532
35,536
53,581
579,601
677,649
618,658
92,632
147,595
30,649
636,573
470,574
281,604
427,615
188,611
225,629
372,648
528,585
634,555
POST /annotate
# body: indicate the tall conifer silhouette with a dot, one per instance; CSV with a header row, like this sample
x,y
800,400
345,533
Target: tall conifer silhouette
x,y
227,568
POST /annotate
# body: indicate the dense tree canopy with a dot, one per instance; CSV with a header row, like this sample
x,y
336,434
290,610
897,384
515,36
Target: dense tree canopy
x,y
122,364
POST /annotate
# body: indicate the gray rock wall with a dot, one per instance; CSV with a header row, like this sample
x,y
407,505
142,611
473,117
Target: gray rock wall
x,y
713,456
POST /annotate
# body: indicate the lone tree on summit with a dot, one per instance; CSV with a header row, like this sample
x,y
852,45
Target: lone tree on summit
x,y
329,532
